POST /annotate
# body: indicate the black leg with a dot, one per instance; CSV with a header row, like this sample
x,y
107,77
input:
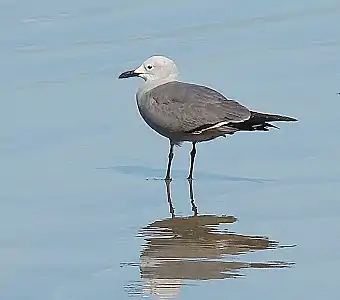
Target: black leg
x,y
191,194
170,157
192,160
168,194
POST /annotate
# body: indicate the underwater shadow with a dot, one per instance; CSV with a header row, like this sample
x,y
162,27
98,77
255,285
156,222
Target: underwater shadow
x,y
183,250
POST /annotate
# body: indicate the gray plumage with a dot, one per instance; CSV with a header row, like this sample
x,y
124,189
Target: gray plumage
x,y
177,108
189,112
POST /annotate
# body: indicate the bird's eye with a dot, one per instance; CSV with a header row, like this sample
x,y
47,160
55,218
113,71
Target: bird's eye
x,y
149,67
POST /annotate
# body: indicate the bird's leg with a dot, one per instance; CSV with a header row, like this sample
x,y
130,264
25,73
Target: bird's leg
x,y
170,157
192,160
191,195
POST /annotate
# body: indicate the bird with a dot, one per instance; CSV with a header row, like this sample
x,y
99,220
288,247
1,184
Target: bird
x,y
189,112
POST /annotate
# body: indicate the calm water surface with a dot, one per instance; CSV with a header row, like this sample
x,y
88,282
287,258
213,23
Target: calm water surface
x,y
79,220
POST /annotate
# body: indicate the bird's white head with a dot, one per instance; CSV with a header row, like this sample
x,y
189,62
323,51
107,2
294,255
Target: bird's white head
x,y
154,68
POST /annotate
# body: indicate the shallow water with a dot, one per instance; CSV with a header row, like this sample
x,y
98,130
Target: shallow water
x,y
79,218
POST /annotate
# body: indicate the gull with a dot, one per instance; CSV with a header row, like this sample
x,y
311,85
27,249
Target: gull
x,y
188,112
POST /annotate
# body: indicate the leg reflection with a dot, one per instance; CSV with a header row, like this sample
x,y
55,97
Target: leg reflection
x,y
191,195
168,194
192,200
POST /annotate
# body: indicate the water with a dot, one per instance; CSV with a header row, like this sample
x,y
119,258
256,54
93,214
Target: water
x,y
79,219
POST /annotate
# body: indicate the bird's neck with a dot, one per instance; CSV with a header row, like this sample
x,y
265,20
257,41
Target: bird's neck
x,y
150,84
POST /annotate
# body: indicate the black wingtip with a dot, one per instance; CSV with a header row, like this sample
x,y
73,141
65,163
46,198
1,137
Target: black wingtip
x,y
271,117
284,118
292,119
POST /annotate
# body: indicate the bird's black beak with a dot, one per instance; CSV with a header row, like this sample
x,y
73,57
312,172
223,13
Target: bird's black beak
x,y
127,74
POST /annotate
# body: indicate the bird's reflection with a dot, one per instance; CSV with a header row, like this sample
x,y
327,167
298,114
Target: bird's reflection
x,y
194,248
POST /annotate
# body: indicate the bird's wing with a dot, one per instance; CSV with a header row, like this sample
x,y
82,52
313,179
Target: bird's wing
x,y
186,107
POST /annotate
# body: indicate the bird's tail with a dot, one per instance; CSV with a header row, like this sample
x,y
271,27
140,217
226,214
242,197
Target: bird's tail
x,y
261,122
